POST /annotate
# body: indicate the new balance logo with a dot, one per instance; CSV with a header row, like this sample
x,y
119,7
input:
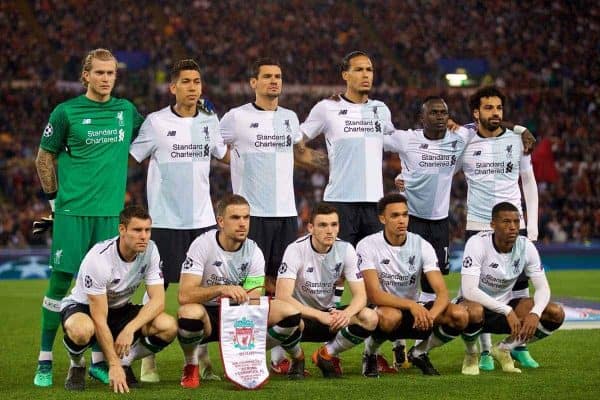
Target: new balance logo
x,y
424,146
171,133
494,265
254,125
343,112
218,263
477,153
86,121
385,261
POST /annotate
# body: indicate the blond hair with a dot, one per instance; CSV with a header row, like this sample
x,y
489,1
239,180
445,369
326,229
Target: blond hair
x,y
99,54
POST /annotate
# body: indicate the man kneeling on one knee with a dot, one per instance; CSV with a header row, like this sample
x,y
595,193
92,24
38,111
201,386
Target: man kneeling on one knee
x,y
225,263
492,262
99,307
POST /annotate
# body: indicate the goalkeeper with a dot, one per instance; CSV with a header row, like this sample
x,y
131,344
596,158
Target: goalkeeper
x,y
88,137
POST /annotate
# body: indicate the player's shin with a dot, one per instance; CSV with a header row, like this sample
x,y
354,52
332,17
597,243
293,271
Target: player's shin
x,y
283,331
439,336
190,334
347,338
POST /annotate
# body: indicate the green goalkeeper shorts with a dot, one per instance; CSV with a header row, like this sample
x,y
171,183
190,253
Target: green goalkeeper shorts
x,y
73,236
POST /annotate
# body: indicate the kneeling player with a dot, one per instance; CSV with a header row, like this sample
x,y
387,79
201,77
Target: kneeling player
x,y
392,262
307,276
492,262
99,306
225,263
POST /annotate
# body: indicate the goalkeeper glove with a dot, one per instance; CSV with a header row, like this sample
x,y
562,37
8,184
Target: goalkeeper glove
x,y
42,225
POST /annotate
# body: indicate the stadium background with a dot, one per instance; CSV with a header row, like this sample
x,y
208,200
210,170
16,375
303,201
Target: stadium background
x,y
543,54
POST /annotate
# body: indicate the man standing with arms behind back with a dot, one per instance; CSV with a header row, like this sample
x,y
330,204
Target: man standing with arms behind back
x,y
88,137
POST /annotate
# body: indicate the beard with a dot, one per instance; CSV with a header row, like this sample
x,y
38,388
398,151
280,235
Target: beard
x,y
490,125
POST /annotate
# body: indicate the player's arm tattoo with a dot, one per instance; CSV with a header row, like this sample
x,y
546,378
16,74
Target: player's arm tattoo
x,y
46,170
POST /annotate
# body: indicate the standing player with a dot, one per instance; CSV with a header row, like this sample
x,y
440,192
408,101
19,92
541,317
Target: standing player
x,y
307,276
179,140
493,161
265,144
265,141
88,137
226,263
492,264
353,126
392,262
100,309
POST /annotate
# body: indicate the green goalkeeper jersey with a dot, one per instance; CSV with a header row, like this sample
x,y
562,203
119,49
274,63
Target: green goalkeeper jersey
x,y
91,141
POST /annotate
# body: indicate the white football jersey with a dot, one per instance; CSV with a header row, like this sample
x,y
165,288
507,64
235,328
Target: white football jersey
x,y
178,174
398,267
427,169
354,137
498,272
103,271
216,266
492,167
316,273
262,157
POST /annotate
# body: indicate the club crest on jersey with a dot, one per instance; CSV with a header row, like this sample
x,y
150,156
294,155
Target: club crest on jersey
x,y
287,125
120,118
243,336
509,151
338,267
58,256
244,267
282,268
206,134
516,265
411,263
48,130
375,115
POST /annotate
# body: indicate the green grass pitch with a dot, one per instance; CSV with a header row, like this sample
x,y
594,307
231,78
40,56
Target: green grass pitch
x,y
570,362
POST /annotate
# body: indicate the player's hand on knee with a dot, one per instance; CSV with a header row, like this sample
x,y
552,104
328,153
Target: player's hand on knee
x,y
513,323
42,225
339,320
422,317
529,325
118,380
235,293
123,342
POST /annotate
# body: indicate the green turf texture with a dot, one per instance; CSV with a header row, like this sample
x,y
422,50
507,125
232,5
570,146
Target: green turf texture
x,y
570,362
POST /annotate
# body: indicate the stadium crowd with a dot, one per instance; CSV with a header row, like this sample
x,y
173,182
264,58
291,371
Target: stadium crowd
x,y
551,90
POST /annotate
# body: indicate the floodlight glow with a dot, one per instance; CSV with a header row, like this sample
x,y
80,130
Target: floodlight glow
x,y
456,79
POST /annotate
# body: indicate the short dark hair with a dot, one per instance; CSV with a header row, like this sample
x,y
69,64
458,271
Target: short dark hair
x,y
487,91
322,209
353,54
390,198
255,67
504,206
187,64
431,98
133,211
230,200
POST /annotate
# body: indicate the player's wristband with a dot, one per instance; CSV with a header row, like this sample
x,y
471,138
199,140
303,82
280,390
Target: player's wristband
x,y
51,198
